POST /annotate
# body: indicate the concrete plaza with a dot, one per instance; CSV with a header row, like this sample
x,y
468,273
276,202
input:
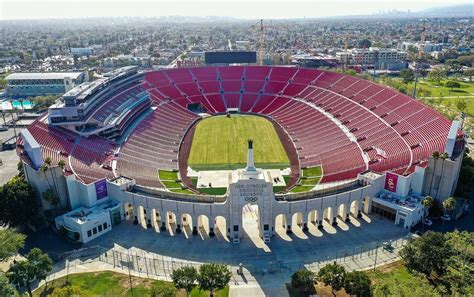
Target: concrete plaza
x,y
267,266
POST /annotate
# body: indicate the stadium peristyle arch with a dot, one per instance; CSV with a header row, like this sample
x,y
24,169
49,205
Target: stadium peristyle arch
x,y
122,129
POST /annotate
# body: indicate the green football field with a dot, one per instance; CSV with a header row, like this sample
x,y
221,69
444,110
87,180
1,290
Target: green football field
x,y
221,143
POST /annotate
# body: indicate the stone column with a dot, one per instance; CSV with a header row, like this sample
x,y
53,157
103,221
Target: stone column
x,y
288,222
368,205
179,223
211,227
195,224
135,214
148,217
304,221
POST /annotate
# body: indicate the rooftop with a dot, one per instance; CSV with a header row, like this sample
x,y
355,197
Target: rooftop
x,y
43,75
410,201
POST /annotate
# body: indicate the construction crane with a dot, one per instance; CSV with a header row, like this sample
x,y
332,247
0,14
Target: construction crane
x,y
419,59
261,46
346,53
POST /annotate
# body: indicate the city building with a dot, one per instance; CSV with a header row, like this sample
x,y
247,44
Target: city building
x,y
381,59
46,83
81,51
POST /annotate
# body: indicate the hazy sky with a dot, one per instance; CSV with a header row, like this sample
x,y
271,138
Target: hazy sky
x,y
255,9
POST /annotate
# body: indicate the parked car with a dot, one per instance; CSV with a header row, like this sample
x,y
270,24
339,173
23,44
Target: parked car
x,y
445,217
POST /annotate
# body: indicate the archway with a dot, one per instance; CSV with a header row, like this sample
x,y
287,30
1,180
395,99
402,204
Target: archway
x,y
343,212
298,225
171,222
355,209
281,227
315,223
221,228
251,222
187,224
203,226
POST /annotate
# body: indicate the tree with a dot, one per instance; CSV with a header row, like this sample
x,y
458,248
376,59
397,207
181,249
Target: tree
x,y
407,75
11,242
357,283
303,278
184,278
332,275
466,60
6,289
35,267
461,105
449,204
411,286
469,73
213,277
454,65
459,275
427,202
18,202
427,254
437,75
453,84
365,43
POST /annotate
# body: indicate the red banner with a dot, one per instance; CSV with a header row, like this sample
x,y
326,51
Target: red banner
x,y
391,181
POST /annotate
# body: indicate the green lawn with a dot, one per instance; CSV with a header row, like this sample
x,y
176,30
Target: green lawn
x,y
466,89
299,189
182,191
310,181
278,189
221,143
109,283
213,191
171,184
313,171
167,175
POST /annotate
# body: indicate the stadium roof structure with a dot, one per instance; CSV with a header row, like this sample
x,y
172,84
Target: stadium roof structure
x,y
42,75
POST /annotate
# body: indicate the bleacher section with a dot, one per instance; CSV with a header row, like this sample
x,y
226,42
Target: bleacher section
x,y
340,122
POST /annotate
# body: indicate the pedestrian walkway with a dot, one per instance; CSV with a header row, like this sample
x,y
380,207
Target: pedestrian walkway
x,y
259,280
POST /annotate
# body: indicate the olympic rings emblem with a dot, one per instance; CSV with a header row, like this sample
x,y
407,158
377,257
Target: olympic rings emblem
x,y
251,199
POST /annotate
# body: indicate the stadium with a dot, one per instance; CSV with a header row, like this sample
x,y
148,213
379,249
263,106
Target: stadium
x,y
169,149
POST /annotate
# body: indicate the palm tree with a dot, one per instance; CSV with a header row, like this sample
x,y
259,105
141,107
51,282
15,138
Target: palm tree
x,y
48,162
61,164
449,205
427,202
435,156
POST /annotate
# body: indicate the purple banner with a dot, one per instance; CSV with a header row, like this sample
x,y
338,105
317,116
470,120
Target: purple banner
x,y
101,189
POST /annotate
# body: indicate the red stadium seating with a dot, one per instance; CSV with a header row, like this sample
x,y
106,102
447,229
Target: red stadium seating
x,y
339,122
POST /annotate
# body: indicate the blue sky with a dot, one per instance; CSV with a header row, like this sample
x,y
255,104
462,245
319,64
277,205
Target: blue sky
x,y
40,9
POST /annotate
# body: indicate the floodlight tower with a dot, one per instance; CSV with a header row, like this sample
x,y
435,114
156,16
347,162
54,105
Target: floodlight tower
x,y
261,49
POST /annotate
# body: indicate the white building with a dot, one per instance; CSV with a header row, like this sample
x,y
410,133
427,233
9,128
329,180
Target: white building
x,y
45,83
85,224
